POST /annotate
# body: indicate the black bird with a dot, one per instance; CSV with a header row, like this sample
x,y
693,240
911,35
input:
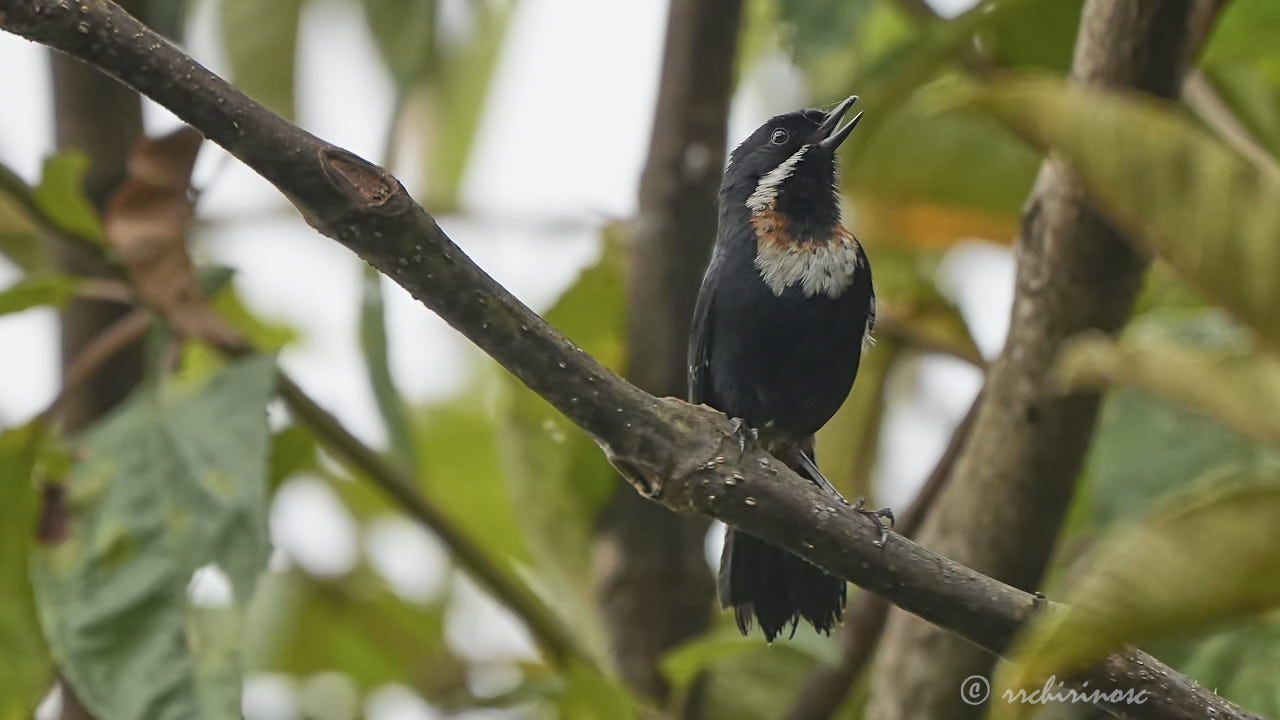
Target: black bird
x,y
785,307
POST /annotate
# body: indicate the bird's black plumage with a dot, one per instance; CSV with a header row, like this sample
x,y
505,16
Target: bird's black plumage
x,y
777,334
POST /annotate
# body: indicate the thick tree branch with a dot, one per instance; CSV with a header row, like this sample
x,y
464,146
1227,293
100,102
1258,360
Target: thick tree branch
x,y
683,456
653,584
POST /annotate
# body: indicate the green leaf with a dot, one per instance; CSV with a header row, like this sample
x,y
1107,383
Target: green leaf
x,y
1208,556
814,27
1241,664
293,450
1244,34
26,669
1040,33
1185,196
757,685
60,196
356,625
19,242
373,342
1239,389
457,99
558,476
406,35
686,662
171,482
261,40
36,290
462,471
265,335
589,695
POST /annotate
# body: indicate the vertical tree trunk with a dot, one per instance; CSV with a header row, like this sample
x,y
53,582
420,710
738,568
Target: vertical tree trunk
x,y
654,585
101,118
1001,513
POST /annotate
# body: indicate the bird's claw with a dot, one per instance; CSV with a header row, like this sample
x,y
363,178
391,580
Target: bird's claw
x,y
744,433
877,517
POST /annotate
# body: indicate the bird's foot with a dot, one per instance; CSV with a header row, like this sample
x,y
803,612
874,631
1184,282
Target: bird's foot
x,y
744,433
877,517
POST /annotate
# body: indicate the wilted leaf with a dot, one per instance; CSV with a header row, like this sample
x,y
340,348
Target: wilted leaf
x,y
1187,197
261,40
26,670
1239,389
171,482
1208,556
60,195
36,290
147,218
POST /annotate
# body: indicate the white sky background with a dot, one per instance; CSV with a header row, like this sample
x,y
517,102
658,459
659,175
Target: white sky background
x,y
520,167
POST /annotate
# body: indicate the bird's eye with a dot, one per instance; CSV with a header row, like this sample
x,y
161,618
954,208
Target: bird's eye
x,y
780,137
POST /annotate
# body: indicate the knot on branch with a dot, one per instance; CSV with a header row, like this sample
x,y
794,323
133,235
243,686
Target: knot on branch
x,y
370,188
686,461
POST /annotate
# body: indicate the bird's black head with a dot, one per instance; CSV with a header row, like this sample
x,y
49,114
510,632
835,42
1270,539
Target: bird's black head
x,y
786,171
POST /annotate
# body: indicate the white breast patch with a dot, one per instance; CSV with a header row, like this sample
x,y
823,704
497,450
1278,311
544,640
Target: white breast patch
x,y
818,268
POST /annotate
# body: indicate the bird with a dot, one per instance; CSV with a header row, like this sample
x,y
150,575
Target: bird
x,y
785,307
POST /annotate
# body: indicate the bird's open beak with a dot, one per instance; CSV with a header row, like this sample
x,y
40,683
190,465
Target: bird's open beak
x,y
827,136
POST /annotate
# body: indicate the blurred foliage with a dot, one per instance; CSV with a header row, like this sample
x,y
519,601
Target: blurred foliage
x,y
26,668
557,475
1194,412
1196,559
173,481
261,41
60,199
36,289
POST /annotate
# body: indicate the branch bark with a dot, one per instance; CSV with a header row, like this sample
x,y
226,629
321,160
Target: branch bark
x,y
653,583
1002,512
682,456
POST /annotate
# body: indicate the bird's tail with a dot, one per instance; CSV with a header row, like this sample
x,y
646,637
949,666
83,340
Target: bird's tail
x,y
776,586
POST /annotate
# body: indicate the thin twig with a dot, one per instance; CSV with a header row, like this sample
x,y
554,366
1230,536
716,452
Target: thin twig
x,y
102,348
1203,99
546,628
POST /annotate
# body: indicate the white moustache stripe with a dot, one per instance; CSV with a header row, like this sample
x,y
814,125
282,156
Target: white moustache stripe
x,y
766,191
817,269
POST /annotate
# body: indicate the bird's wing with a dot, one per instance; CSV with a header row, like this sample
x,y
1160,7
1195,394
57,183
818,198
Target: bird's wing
x,y
700,339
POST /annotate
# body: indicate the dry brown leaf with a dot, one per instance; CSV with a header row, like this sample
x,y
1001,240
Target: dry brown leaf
x,y
147,219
